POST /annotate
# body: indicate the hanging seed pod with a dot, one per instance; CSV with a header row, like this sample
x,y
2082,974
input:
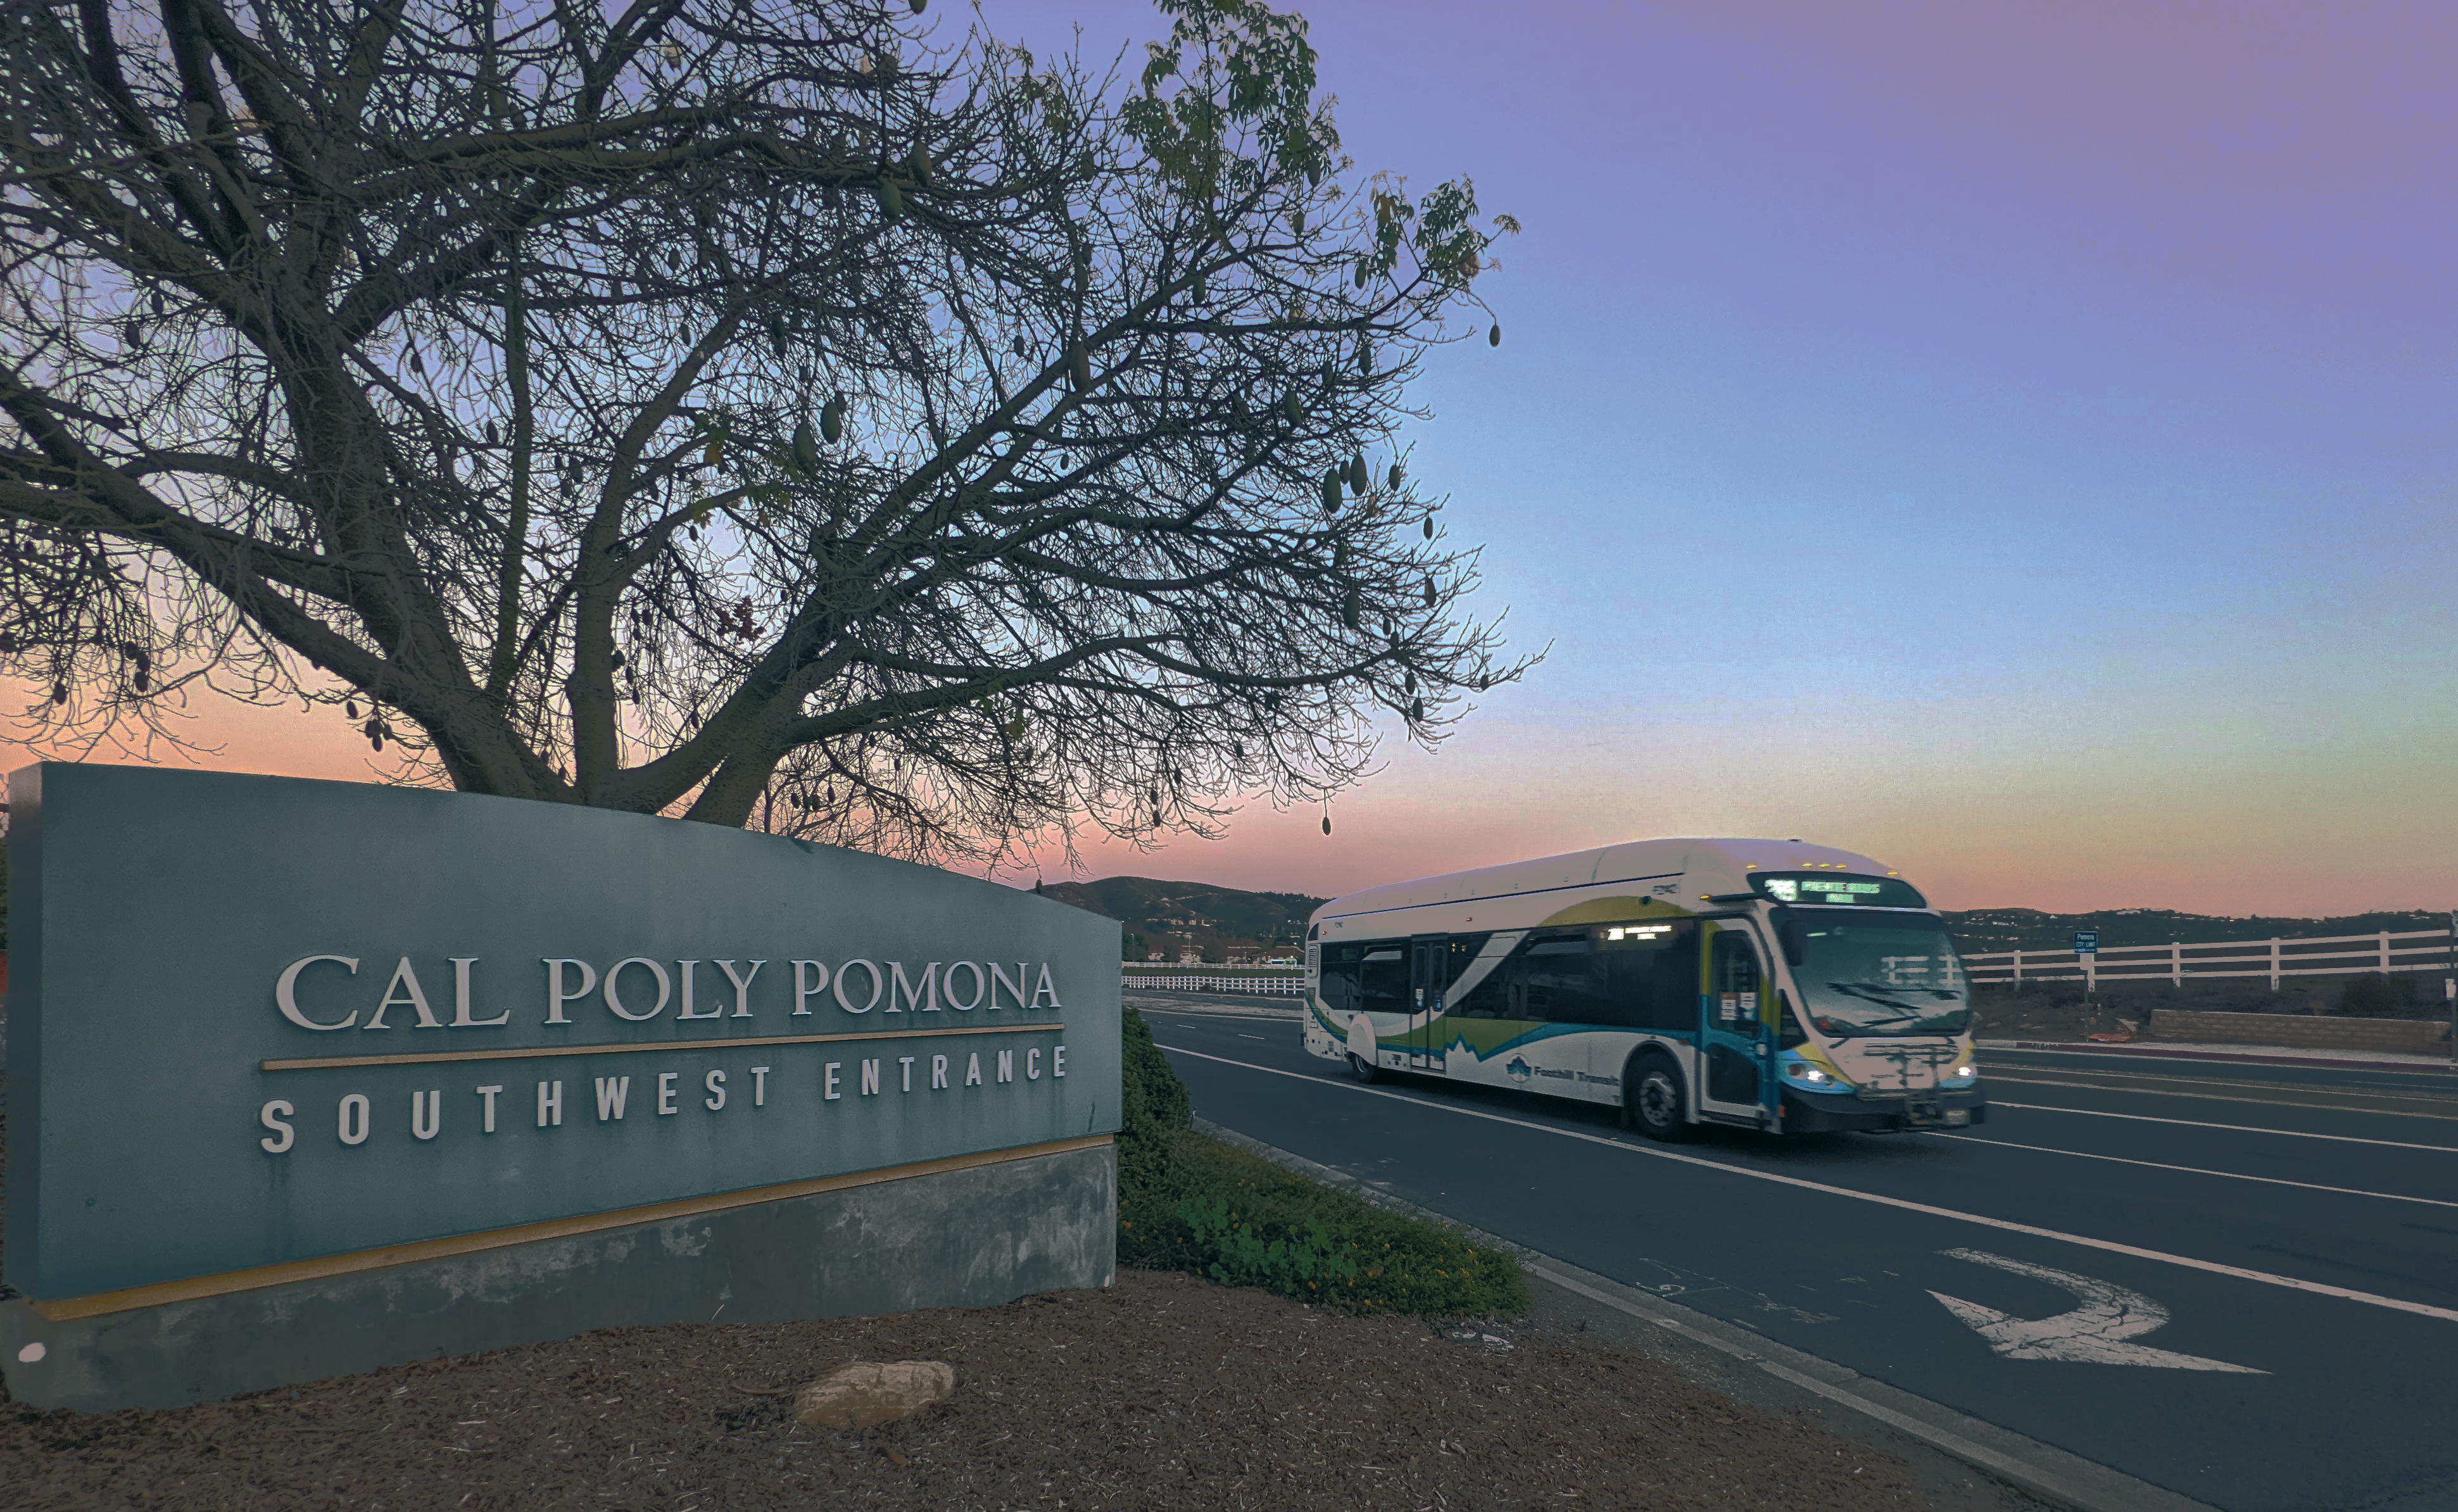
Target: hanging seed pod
x,y
1297,219
1079,365
143,679
350,710
1357,274
1429,592
832,419
920,160
1493,337
776,336
919,6
157,303
373,730
59,693
490,433
1085,165
806,447
1410,685
1331,491
1430,527
1018,344
1417,709
417,364
1326,824
1365,359
1395,479
1200,294
134,335
1357,473
1290,407
1348,610
891,204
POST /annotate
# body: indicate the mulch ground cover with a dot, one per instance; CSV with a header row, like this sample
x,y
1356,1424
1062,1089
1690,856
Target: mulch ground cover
x,y
1163,1390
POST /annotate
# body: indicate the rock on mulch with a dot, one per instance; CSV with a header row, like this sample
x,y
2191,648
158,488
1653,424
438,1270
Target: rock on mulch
x,y
1163,1390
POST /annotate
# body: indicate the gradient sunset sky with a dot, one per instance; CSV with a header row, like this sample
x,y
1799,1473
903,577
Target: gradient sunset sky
x,y
2019,442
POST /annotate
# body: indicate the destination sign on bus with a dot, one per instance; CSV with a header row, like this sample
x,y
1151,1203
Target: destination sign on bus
x,y
1837,887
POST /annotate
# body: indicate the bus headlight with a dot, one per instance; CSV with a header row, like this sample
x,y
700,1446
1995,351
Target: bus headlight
x,y
1809,1075
1962,1075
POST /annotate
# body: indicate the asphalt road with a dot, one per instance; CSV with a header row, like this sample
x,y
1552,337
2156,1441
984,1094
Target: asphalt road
x,y
2236,1281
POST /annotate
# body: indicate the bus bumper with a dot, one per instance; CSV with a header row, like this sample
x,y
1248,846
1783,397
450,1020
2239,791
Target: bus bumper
x,y
1809,1113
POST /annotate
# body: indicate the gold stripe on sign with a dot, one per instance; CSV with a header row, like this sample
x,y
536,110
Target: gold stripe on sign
x,y
339,1062
196,1288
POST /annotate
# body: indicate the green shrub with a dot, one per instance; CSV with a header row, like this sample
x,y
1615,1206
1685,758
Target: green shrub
x,y
1215,1211
1156,1106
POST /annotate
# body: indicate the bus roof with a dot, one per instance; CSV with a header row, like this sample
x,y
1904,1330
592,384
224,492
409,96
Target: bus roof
x,y
1720,862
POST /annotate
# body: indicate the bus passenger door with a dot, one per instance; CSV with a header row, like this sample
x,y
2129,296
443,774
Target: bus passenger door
x,y
1735,1055
1428,961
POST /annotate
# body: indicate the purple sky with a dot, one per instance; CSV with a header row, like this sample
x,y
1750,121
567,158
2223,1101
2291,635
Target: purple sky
x,y
2020,442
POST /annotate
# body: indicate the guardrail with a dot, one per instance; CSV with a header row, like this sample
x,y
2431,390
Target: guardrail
x,y
1269,987
2405,950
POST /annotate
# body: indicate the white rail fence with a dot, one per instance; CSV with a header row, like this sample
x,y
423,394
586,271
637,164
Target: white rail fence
x,y
1271,987
2328,956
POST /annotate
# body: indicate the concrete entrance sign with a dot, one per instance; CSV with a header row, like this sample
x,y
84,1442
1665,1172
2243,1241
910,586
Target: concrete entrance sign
x,y
310,1076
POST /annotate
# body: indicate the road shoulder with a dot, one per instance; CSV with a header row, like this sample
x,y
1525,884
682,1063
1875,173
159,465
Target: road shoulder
x,y
1963,1463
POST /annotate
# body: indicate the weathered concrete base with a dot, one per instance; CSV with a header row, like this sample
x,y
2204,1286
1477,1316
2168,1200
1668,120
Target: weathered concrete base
x,y
963,1238
2410,1036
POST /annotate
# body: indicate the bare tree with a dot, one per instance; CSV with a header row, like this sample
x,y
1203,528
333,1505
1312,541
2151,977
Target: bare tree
x,y
763,411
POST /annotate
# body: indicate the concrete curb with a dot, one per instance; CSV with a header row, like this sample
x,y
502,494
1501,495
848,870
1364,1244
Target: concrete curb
x,y
2042,1469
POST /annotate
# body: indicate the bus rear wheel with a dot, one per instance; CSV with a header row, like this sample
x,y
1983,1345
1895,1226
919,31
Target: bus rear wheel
x,y
1651,1100
1358,1068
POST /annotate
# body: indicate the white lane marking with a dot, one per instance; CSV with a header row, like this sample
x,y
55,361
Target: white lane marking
x,y
2215,1097
1251,1037
2239,1129
2193,1171
2007,1225
2093,1333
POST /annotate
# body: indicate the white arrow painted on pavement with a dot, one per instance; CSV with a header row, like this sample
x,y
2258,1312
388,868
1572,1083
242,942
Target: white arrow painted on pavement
x,y
2093,1333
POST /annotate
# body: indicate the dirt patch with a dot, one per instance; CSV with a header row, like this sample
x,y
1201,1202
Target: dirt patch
x,y
1163,1390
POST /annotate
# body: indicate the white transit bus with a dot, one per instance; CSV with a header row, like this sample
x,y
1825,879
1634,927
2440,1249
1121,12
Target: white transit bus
x,y
1768,984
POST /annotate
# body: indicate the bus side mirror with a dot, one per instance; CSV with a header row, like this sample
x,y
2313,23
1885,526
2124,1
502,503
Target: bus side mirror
x,y
1789,934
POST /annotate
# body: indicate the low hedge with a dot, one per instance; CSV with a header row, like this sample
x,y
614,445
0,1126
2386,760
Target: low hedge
x,y
1189,1203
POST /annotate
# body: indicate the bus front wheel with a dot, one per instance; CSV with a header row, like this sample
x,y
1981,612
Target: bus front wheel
x,y
1651,1101
1358,1068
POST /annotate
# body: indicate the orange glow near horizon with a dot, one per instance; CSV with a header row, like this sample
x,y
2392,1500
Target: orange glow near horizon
x,y
2211,846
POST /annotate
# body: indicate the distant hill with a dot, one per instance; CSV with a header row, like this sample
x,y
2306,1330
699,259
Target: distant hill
x,y
1982,930
1171,916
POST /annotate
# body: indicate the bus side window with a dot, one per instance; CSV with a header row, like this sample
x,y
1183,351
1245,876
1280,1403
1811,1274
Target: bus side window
x,y
1340,971
1383,980
1677,982
1562,979
1653,977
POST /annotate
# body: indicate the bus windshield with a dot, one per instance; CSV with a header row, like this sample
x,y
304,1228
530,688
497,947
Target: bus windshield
x,y
1865,973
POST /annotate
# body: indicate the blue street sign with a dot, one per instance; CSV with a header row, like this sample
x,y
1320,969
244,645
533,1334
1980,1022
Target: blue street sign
x,y
2086,942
